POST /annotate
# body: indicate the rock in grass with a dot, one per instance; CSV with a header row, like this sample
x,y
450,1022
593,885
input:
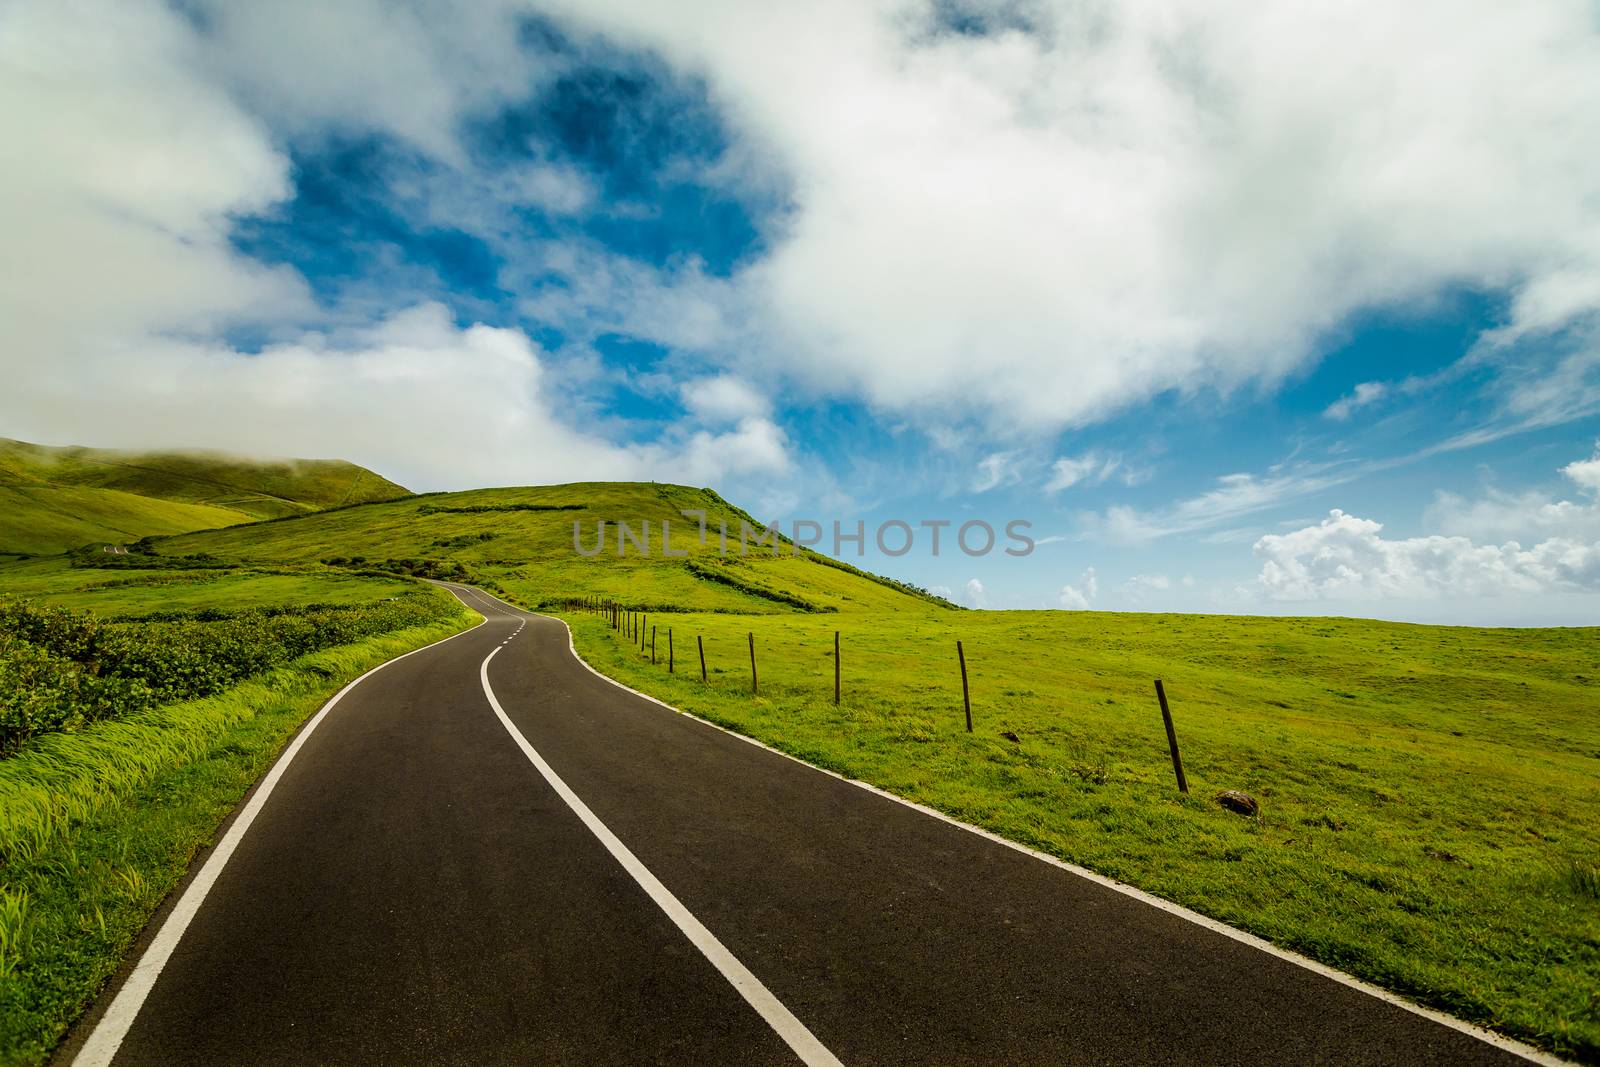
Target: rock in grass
x,y
1243,803
1009,736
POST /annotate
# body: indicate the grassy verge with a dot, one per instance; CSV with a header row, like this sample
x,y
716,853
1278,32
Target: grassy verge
x,y
98,826
1429,795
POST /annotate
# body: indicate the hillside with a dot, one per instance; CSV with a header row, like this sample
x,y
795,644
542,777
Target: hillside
x,y
55,499
42,520
522,539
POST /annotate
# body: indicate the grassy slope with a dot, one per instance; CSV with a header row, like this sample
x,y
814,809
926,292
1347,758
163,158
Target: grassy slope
x,y
53,499
43,519
1427,793
531,552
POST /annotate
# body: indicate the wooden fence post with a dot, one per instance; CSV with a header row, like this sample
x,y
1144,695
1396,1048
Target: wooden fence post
x,y
1172,738
836,668
700,641
755,686
966,695
669,650
652,646
643,619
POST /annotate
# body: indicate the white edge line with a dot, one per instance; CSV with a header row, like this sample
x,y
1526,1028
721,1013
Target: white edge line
x,y
114,1025
1489,1037
794,1033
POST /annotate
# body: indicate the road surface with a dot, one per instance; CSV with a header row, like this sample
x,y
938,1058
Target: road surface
x,y
485,853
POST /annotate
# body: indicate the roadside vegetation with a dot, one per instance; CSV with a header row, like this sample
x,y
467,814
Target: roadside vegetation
x,y
63,671
128,735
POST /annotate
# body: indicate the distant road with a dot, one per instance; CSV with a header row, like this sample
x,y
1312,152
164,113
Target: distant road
x,y
485,853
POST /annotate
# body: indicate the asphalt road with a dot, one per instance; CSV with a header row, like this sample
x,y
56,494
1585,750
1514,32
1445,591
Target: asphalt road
x,y
579,876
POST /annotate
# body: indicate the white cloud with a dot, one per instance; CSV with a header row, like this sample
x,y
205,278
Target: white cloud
x,y
411,68
1091,468
1499,515
1586,472
680,306
120,169
1234,496
1346,558
558,189
755,446
1364,395
976,596
1188,193
997,469
1079,597
723,399
1141,585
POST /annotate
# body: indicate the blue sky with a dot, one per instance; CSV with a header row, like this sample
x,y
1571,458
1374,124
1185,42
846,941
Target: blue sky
x,y
1241,313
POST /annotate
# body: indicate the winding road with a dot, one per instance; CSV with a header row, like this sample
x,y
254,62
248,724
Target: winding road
x,y
483,853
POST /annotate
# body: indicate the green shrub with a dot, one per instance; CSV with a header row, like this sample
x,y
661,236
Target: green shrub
x,y
60,670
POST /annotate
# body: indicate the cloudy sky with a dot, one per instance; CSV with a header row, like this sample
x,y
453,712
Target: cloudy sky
x,y
1246,307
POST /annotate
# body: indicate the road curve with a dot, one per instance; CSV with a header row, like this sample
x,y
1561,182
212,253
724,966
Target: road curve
x,y
486,853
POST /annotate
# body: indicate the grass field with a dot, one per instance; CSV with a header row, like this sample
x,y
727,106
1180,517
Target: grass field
x,y
1428,794
113,592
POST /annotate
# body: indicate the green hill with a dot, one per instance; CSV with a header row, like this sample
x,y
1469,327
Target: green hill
x,y
54,499
41,520
522,539
260,488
